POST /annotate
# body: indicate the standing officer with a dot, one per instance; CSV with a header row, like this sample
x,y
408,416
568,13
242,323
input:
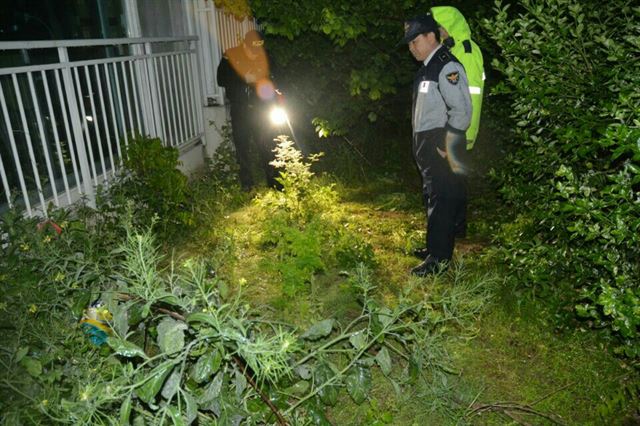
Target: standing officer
x,y
441,114
244,73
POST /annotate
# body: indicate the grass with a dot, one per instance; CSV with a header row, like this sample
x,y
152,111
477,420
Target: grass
x,y
498,351
519,357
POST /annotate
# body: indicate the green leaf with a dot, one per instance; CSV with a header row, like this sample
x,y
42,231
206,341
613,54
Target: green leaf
x,y
146,309
125,411
212,391
170,299
384,360
120,319
172,384
304,371
21,353
176,416
396,387
202,317
135,315
358,383
328,394
385,316
206,365
318,330
125,348
191,411
240,383
151,387
358,339
171,335
317,415
33,366
298,389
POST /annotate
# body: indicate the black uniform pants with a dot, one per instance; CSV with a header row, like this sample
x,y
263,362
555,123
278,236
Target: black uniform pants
x,y
459,162
251,133
242,141
443,190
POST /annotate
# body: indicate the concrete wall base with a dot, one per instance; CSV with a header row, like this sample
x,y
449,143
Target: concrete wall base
x,y
193,158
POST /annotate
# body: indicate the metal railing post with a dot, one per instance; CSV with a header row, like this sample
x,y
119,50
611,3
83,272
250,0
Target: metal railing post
x,y
76,124
197,82
153,91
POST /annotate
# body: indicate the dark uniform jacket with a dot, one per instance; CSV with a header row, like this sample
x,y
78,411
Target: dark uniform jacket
x,y
233,71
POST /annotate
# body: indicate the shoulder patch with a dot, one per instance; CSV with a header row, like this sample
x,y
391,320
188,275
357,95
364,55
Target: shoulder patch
x,y
453,77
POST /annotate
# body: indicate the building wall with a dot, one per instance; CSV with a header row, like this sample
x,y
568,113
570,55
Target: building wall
x,y
92,93
193,158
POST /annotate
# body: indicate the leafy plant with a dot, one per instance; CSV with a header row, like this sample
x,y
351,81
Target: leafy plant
x,y
151,183
301,223
222,167
574,174
50,270
182,348
301,197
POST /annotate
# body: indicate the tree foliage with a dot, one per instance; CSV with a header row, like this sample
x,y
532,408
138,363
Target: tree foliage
x,y
339,64
574,171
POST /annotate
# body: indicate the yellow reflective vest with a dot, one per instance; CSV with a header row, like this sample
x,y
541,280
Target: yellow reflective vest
x,y
469,55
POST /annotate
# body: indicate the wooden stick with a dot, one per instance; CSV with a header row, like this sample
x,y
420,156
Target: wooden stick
x,y
243,367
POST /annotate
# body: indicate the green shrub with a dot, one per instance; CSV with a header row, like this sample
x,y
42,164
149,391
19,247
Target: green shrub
x,y
573,172
222,168
152,184
301,223
50,270
302,197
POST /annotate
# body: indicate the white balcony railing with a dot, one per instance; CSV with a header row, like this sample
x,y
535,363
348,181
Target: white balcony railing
x,y
64,124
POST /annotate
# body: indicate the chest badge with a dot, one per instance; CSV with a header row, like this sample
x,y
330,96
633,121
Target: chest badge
x,y
453,77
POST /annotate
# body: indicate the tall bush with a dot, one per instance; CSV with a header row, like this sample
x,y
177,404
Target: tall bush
x,y
573,172
151,182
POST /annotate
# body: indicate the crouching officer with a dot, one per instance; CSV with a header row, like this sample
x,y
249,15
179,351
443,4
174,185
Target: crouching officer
x,y
441,114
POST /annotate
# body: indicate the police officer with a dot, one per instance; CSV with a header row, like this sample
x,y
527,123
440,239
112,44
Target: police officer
x,y
441,114
244,73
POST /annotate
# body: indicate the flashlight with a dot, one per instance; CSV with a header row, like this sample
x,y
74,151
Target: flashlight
x,y
279,116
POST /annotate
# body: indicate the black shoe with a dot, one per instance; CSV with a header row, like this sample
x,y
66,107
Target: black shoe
x,y
430,266
421,253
